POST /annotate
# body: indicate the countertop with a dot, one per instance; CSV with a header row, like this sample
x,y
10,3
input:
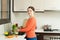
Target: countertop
x,y
41,30
19,37
2,37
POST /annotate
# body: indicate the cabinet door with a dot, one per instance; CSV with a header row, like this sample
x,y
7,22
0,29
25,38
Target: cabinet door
x,y
21,5
52,5
38,4
39,37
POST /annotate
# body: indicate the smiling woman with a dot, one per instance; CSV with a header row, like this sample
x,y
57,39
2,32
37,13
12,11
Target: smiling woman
x,y
4,11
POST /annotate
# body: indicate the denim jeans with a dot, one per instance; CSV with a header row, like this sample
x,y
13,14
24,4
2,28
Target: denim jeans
x,y
35,38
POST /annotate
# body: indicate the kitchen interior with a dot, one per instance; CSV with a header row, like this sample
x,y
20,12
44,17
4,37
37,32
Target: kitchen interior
x,y
47,16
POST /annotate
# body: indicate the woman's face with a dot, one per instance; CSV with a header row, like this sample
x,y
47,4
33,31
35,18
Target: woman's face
x,y
30,11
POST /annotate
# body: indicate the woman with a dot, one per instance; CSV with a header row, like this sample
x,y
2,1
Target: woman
x,y
30,27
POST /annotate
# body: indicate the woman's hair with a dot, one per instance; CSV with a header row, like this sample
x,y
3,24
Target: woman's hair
x,y
31,8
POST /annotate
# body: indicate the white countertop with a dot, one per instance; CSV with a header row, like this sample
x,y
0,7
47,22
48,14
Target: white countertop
x,y
41,30
2,37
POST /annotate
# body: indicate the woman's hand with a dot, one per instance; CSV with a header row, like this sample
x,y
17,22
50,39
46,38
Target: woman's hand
x,y
21,27
18,30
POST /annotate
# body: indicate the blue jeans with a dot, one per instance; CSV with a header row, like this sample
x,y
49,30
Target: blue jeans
x,y
35,38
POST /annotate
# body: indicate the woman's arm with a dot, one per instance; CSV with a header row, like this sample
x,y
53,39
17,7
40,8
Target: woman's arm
x,y
29,25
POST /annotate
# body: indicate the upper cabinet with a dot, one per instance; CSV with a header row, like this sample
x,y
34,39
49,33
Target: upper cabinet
x,y
4,11
52,5
22,5
40,5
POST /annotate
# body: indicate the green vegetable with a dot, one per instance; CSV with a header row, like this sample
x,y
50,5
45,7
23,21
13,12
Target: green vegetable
x,y
14,28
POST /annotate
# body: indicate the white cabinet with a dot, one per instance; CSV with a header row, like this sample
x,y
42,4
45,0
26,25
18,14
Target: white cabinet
x,y
38,4
22,5
52,5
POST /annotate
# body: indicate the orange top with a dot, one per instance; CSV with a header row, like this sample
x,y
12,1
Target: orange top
x,y
30,28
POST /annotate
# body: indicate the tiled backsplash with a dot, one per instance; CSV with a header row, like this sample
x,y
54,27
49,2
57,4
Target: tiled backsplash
x,y
5,27
1,29
50,18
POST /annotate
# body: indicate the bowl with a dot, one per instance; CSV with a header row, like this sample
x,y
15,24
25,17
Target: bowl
x,y
10,36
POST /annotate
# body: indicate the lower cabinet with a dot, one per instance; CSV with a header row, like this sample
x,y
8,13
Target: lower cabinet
x,y
48,37
39,37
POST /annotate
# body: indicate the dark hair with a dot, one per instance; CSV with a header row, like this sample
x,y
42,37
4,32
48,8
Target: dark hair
x,y
31,8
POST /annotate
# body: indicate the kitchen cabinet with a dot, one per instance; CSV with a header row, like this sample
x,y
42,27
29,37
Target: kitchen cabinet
x,y
53,35
39,37
39,5
52,5
22,5
4,11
